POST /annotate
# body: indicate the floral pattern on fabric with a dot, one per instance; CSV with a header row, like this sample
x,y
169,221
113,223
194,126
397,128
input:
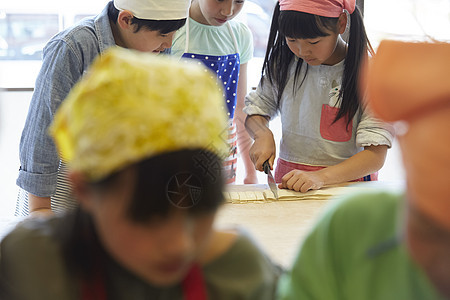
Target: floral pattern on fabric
x,y
104,125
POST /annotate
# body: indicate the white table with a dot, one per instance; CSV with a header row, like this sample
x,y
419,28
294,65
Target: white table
x,y
280,226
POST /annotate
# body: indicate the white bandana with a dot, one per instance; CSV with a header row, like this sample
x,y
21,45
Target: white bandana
x,y
155,9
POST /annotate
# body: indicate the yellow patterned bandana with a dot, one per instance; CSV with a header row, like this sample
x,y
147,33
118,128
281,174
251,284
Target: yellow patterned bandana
x,y
131,106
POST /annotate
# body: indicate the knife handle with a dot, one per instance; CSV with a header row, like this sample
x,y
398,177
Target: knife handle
x,y
266,167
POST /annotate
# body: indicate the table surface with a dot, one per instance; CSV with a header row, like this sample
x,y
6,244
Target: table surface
x,y
277,226
280,226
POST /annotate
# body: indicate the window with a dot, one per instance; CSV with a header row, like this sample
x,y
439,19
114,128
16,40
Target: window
x,y
407,20
258,14
24,35
78,18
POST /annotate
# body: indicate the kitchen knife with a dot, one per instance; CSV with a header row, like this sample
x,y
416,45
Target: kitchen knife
x,y
270,179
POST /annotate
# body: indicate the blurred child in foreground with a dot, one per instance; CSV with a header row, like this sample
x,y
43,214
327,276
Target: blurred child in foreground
x,y
142,137
391,245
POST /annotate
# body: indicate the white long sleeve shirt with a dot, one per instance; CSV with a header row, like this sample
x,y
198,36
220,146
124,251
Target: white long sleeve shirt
x,y
308,135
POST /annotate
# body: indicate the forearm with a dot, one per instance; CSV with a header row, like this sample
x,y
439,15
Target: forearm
x,y
244,154
263,147
244,144
257,126
36,203
243,139
366,162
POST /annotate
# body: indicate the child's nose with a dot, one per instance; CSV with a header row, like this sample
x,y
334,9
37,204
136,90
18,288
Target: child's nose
x,y
303,50
179,236
167,43
227,8
182,241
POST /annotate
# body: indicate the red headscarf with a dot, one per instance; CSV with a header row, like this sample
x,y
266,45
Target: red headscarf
x,y
324,8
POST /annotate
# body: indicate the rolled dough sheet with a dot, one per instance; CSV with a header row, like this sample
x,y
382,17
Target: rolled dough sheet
x,y
261,192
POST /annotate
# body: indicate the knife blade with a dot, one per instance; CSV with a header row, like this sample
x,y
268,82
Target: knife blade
x,y
270,179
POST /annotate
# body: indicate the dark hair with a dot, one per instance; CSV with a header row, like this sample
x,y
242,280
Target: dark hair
x,y
294,24
189,180
163,26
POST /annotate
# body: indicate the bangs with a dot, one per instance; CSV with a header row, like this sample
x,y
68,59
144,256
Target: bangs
x,y
163,26
300,25
189,180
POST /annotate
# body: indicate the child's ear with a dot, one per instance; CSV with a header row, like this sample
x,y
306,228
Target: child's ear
x,y
342,22
124,19
81,189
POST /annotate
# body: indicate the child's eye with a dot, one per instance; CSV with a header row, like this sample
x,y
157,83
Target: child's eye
x,y
313,43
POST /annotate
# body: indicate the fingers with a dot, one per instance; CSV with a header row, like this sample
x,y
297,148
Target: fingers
x,y
258,161
271,161
263,149
259,158
254,156
299,181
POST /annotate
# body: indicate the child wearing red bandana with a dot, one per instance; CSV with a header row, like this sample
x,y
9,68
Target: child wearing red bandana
x,y
310,78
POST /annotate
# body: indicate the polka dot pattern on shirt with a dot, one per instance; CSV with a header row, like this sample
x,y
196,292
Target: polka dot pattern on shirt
x,y
227,69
